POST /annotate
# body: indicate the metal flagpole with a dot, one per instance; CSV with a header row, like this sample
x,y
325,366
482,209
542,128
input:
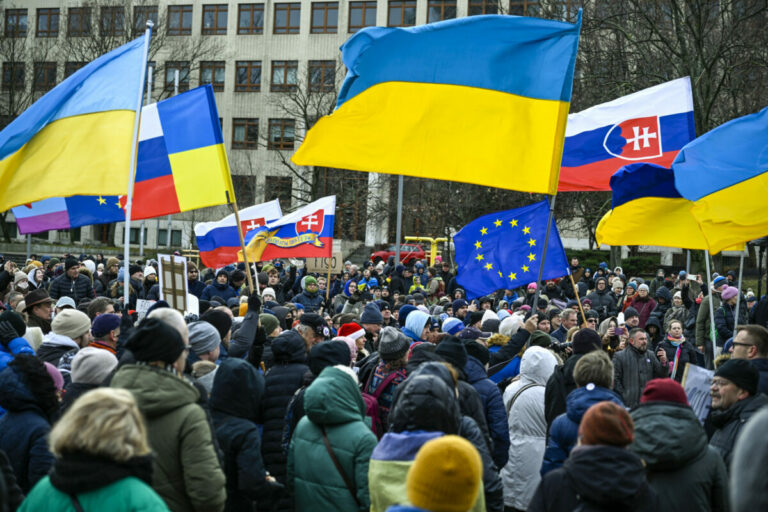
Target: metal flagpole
x,y
738,295
142,228
712,330
132,168
544,253
175,92
399,228
29,246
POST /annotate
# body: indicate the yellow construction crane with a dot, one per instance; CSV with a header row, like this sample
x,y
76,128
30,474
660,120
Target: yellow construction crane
x,y
433,252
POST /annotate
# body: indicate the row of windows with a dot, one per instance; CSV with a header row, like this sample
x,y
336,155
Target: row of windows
x,y
250,17
281,133
284,77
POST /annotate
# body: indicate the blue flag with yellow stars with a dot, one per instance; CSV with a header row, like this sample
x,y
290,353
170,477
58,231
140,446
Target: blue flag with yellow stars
x,y
503,250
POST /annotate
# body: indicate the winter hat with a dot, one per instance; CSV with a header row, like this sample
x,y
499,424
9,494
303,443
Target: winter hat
x,y
269,291
132,269
719,281
269,323
452,326
155,340
458,304
351,345
416,321
475,317
16,321
71,323
532,286
664,390
92,365
19,277
371,314
473,333
445,475
148,270
643,287
478,351
112,261
36,297
540,339
607,423
510,325
203,337
317,324
220,320
351,330
729,292
328,353
66,302
402,316
617,283
585,341
630,312
632,285
309,280
393,344
453,351
70,262
677,295
55,376
502,314
423,308
104,324
491,325
742,373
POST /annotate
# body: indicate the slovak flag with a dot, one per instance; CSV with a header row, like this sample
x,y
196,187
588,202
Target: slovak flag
x,y
219,242
649,126
305,233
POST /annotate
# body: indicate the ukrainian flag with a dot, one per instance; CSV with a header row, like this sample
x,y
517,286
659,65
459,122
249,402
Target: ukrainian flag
x,y
482,99
77,138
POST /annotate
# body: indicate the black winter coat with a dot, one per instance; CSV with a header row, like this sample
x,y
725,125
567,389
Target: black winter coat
x,y
728,424
602,300
559,386
687,355
605,478
493,409
79,288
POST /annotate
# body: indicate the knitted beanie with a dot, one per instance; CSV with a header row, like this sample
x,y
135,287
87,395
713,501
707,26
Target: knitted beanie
x,y
664,390
71,323
586,340
92,365
445,476
607,423
269,322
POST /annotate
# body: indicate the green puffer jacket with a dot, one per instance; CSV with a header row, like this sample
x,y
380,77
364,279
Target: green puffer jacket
x,y
187,474
126,495
686,473
334,401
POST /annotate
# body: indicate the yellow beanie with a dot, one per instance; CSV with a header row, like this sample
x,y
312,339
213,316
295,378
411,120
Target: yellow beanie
x,y
446,475
243,309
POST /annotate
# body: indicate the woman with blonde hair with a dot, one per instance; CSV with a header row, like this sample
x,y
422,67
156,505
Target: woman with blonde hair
x,y
102,458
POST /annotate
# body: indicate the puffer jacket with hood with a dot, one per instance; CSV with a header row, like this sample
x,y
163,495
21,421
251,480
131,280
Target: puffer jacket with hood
x,y
605,478
653,340
565,429
312,302
54,346
216,289
186,470
644,308
281,382
686,473
527,427
234,403
729,422
493,408
662,293
78,288
332,402
724,319
602,302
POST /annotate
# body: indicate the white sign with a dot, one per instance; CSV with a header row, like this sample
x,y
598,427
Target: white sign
x,y
696,382
172,275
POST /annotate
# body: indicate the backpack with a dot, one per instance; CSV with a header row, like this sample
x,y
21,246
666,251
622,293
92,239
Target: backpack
x,y
371,400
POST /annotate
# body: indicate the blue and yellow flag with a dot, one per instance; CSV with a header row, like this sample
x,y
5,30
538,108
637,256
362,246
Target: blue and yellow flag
x,y
482,100
504,250
725,173
77,138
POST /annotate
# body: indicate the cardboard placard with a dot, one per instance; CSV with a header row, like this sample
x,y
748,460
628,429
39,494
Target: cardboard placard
x,y
696,383
142,306
172,275
320,265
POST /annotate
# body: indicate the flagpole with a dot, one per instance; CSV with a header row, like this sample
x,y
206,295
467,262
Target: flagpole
x,y
711,292
738,295
399,227
132,168
544,252
578,300
233,202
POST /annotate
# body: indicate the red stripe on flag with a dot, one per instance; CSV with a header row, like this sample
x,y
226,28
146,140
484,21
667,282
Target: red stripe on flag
x,y
219,257
596,177
154,198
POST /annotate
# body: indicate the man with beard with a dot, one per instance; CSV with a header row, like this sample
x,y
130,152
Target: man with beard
x,y
635,366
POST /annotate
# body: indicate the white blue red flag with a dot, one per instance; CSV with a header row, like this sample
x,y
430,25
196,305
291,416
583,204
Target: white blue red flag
x,y
219,242
650,126
305,233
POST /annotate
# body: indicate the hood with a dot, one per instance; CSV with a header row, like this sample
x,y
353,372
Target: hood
x,y
537,365
157,391
15,395
606,475
662,292
426,401
289,347
581,399
334,398
667,435
58,340
345,291
31,277
653,320
474,370
219,286
237,389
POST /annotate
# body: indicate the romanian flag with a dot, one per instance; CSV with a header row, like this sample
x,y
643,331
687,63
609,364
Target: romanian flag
x,y
725,173
482,100
77,138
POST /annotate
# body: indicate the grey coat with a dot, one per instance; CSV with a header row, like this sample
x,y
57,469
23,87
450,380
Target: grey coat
x,y
632,370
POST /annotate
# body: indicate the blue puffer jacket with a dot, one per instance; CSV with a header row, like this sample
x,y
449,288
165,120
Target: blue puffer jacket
x,y
565,429
23,430
493,406
312,302
15,347
196,287
217,289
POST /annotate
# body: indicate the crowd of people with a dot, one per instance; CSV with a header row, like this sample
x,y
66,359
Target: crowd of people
x,y
382,388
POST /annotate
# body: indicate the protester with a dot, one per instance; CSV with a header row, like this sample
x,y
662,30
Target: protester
x,y
12,343
38,306
749,488
90,368
390,371
72,283
751,343
703,320
677,350
726,315
635,366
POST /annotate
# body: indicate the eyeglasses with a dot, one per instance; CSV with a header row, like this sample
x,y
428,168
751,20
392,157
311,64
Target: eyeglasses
x,y
740,344
719,383
192,271
591,321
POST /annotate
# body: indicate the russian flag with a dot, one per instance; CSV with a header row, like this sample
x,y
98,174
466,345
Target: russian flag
x,y
305,233
219,242
649,126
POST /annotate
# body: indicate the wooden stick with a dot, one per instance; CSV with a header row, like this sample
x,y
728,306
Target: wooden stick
x,y
242,242
328,281
578,300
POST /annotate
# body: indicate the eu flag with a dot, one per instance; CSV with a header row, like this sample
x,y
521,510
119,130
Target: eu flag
x,y
504,250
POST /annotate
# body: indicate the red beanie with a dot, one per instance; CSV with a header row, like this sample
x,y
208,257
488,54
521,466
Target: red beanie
x,y
352,330
606,423
664,390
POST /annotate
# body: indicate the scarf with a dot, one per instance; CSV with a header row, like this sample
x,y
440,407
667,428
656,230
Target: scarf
x,y
79,473
677,343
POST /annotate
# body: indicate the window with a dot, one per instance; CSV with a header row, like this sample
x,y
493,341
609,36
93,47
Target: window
x,y
179,20
13,228
162,237
279,188
79,22
325,17
281,133
71,67
212,72
45,76
15,23
112,21
170,68
142,13
47,23
322,75
401,13
214,20
13,76
524,7
478,7
438,10
287,18
133,238
245,188
245,133
565,10
248,76
250,19
361,14
284,75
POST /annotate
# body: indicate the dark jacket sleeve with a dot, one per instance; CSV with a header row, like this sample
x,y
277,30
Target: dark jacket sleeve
x,y
512,348
492,486
243,339
555,453
618,374
251,475
554,403
13,493
40,460
497,424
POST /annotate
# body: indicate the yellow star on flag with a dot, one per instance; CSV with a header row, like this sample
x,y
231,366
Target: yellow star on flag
x,y
483,231
101,200
526,230
118,204
513,222
512,276
531,242
488,266
500,274
478,245
531,257
497,222
479,257
525,268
